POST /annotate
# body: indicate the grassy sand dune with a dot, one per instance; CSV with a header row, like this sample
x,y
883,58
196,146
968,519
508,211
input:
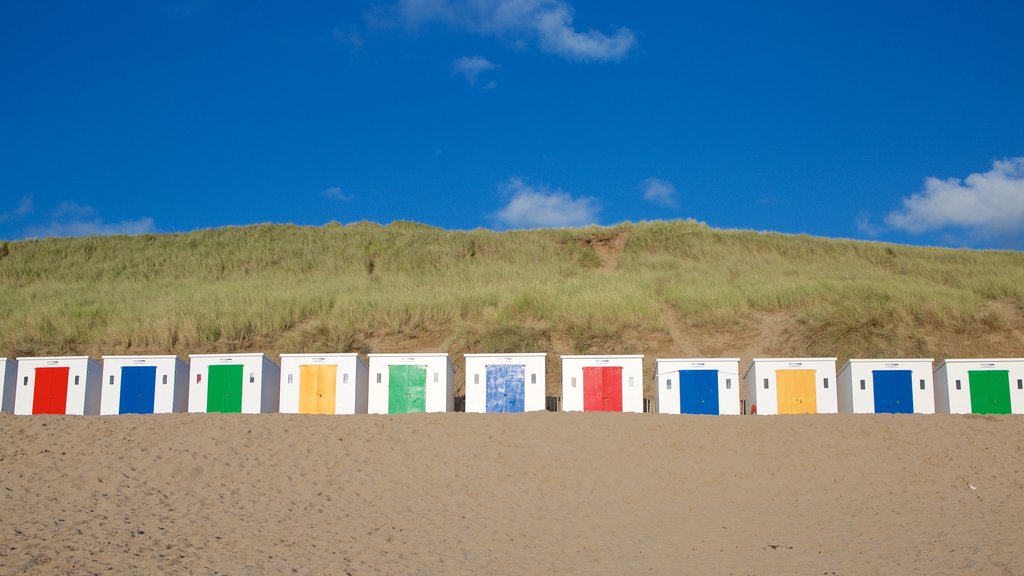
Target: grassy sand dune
x,y
659,288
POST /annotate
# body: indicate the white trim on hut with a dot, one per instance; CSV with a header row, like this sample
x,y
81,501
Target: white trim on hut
x,y
435,393
74,381
483,394
720,395
870,386
259,388
791,386
621,375
161,381
959,382
304,376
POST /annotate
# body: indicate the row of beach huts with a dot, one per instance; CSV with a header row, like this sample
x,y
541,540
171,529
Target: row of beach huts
x,y
253,383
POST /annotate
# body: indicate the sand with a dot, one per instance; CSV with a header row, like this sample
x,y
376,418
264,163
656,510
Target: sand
x,y
512,494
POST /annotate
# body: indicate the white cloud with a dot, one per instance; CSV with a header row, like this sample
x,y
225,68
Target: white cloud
x,y
548,22
660,191
71,219
24,208
985,204
543,207
471,67
336,193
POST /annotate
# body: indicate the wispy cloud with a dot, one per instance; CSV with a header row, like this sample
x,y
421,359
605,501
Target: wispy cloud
x,y
543,207
73,211
549,23
987,205
660,191
336,193
23,208
471,67
185,9
866,225
348,38
71,219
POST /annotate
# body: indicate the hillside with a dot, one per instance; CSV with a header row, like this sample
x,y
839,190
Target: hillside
x,y
663,289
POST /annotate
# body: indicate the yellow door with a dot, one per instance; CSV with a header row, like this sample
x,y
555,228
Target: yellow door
x,y
797,391
309,381
317,388
327,380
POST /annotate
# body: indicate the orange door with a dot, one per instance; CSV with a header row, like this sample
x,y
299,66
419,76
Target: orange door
x,y
317,388
307,389
796,391
327,383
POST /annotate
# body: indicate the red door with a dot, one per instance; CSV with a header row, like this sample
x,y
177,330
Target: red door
x,y
51,391
602,389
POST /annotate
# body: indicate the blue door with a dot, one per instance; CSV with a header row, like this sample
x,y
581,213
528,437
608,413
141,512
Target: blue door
x,y
698,391
894,391
138,387
506,391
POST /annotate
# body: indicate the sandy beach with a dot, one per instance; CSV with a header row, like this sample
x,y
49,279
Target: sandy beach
x,y
512,494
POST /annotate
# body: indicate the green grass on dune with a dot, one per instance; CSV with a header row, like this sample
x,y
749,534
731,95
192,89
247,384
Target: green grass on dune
x,y
283,288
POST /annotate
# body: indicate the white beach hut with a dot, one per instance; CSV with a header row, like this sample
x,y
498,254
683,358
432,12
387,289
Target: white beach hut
x,y
505,382
144,385
698,385
246,383
894,386
603,383
791,386
989,386
403,383
8,373
323,384
58,385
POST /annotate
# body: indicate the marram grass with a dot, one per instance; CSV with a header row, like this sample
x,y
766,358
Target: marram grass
x,y
283,288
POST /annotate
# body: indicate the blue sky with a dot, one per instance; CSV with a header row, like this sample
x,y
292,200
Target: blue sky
x,y
895,121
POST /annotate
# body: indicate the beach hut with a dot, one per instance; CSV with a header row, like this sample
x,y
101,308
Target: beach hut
x,y
144,385
238,383
505,382
791,386
603,383
403,383
8,373
698,385
886,387
58,385
323,384
992,386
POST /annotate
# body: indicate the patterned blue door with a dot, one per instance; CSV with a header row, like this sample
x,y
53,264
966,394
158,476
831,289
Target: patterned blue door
x,y
138,389
506,391
698,391
894,391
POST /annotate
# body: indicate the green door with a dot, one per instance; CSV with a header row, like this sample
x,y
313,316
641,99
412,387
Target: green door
x,y
407,389
990,391
224,389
